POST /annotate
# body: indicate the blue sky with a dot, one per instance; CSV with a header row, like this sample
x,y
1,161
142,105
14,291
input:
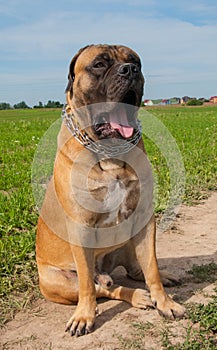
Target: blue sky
x,y
177,42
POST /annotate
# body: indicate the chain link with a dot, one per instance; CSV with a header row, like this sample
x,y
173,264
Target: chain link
x,y
100,147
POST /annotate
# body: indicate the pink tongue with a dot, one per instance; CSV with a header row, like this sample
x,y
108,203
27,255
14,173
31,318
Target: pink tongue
x,y
119,122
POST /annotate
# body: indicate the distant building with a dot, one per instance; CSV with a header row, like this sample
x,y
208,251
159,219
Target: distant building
x,y
175,100
148,102
165,102
213,99
185,99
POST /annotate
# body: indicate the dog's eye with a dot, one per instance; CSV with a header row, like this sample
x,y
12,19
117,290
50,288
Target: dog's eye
x,y
99,65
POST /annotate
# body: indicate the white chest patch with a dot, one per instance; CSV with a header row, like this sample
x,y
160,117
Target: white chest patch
x,y
115,202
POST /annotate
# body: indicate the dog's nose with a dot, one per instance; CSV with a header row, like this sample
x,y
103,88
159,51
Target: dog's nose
x,y
128,70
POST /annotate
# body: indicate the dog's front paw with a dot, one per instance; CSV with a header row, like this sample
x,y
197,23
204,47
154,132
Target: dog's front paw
x,y
82,321
168,307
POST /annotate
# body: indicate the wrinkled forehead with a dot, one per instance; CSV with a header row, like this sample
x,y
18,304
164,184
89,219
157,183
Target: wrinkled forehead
x,y
105,52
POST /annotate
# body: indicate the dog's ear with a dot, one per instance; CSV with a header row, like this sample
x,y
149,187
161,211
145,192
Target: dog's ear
x,y
71,74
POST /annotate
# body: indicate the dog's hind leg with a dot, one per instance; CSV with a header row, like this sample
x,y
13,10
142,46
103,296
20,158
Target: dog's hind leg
x,y
61,285
58,285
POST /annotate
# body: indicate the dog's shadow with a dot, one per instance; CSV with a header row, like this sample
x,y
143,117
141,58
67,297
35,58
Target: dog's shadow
x,y
181,293
111,312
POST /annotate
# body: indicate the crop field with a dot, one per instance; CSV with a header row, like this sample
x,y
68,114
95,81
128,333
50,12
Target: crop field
x,y
193,129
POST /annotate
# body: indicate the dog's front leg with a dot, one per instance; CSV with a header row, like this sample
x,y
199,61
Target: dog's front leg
x,y
82,321
144,243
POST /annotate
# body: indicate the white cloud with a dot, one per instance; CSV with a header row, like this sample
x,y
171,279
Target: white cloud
x,y
174,51
56,33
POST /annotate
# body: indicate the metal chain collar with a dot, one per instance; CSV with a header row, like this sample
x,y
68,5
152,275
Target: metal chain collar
x,y
100,147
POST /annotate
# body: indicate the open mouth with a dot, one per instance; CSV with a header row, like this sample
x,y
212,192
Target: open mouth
x,y
120,122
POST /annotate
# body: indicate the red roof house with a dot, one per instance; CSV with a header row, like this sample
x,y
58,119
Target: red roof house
x,y
213,99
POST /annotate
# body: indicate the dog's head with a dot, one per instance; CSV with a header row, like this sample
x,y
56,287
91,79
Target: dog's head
x,y
107,79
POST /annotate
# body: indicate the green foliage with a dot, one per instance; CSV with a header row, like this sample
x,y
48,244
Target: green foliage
x,y
4,105
201,331
206,315
53,104
204,273
194,102
49,104
21,105
40,105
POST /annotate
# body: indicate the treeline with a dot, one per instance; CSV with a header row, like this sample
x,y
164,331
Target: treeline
x,y
49,104
23,105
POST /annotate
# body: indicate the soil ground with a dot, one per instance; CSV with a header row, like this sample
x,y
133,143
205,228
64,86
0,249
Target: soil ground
x,y
192,240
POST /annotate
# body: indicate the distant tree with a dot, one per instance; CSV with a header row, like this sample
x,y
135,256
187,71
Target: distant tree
x,y
40,105
53,104
21,105
58,104
194,102
5,105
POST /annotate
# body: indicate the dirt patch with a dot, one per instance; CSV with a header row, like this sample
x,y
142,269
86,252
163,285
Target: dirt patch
x,y
192,240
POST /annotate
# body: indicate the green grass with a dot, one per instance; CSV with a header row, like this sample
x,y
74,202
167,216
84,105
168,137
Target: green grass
x,y
204,273
194,130
21,130
200,332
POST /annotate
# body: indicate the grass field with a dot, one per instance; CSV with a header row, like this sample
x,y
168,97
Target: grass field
x,y
21,130
195,132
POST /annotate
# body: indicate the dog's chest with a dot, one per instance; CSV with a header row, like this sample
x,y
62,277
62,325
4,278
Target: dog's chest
x,y
116,191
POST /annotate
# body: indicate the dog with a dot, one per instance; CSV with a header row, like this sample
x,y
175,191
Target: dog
x,y
97,212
